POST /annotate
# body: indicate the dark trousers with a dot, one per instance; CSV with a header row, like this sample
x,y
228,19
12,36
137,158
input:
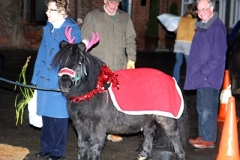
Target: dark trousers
x,y
207,108
54,135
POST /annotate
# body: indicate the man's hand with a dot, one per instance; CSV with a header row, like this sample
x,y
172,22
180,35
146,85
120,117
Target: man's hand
x,y
130,64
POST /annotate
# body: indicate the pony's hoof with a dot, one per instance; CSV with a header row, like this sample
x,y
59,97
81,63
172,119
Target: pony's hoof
x,y
114,138
141,158
181,156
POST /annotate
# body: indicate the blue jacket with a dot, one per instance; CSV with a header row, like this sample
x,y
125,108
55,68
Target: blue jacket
x,y
51,103
206,61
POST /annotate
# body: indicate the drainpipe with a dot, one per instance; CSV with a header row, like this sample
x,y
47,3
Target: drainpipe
x,y
130,7
76,10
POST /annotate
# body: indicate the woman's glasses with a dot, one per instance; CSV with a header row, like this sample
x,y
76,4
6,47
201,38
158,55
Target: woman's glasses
x,y
51,10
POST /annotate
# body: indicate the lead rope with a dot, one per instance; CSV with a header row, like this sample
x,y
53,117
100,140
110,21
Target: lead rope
x,y
29,86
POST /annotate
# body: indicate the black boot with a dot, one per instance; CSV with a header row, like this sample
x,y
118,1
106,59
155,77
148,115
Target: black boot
x,y
42,154
51,157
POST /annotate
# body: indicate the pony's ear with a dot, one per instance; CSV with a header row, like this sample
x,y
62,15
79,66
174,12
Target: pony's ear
x,y
63,43
82,46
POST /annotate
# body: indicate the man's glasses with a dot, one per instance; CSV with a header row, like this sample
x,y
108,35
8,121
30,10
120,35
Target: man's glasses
x,y
202,10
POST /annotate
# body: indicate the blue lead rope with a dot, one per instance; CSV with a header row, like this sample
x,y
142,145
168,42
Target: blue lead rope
x,y
29,86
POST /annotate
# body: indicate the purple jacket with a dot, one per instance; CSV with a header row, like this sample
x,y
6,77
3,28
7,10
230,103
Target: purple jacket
x,y
206,63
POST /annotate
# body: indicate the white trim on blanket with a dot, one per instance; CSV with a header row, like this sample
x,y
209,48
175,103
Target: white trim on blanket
x,y
156,112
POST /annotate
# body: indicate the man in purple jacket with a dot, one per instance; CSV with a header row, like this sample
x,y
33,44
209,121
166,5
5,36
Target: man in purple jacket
x,y
205,71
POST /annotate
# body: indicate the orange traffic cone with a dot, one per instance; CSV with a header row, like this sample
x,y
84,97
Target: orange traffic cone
x,y
225,94
228,149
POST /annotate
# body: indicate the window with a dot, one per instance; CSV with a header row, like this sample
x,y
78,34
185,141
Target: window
x,y
220,8
36,11
234,13
126,5
185,5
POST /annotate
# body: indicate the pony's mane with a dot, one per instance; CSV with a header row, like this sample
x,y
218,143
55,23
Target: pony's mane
x,y
71,55
235,44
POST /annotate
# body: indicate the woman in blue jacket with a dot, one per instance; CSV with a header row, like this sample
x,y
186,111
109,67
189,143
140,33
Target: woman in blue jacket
x,y
51,105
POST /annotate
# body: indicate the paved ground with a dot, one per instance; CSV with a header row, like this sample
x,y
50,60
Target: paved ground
x,y
28,136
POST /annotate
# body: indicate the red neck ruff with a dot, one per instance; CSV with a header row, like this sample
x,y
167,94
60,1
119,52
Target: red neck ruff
x,y
105,76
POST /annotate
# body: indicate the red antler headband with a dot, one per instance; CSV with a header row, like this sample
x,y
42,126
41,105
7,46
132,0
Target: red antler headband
x,y
94,40
68,33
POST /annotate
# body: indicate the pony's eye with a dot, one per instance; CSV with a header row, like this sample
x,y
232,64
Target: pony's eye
x,y
80,63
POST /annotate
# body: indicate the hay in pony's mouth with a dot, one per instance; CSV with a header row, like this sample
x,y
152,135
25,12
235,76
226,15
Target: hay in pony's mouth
x,y
9,152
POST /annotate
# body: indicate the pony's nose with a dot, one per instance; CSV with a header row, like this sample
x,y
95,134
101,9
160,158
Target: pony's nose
x,y
64,90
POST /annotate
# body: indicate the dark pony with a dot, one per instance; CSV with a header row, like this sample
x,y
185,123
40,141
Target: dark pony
x,y
93,113
233,63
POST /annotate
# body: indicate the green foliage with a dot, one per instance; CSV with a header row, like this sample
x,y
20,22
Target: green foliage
x,y
173,9
153,23
25,93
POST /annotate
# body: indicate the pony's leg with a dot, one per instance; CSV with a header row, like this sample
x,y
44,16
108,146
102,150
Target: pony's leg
x,y
83,144
83,147
96,139
90,142
148,133
170,127
96,144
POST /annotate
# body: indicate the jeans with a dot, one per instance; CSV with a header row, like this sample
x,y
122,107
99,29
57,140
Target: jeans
x,y
207,108
177,66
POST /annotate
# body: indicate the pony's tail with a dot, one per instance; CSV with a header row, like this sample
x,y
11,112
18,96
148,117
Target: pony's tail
x,y
183,127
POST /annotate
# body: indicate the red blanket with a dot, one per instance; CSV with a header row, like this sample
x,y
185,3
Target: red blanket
x,y
147,91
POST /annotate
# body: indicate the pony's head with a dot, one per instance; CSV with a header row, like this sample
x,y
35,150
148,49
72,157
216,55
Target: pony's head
x,y
76,67
80,73
72,63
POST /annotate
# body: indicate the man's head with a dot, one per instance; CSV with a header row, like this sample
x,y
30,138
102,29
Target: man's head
x,y
205,9
116,1
111,5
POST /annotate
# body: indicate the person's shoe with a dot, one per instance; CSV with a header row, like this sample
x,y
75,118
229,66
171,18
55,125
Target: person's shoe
x,y
204,144
51,157
114,138
42,154
194,141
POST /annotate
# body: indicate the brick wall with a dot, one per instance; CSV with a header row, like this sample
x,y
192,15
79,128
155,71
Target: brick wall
x,y
79,8
139,18
33,34
84,6
3,41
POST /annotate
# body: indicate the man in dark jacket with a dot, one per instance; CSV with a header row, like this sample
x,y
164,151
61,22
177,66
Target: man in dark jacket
x,y
205,71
